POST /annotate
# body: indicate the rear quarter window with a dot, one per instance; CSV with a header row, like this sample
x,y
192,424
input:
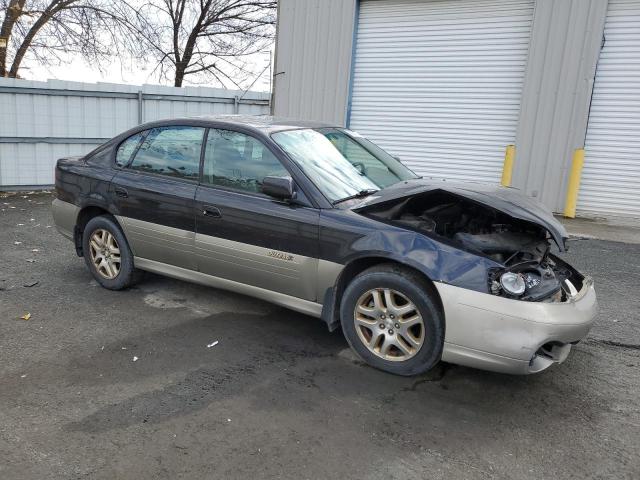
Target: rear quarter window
x,y
127,148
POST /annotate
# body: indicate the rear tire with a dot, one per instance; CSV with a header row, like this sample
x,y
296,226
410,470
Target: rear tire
x,y
391,318
107,254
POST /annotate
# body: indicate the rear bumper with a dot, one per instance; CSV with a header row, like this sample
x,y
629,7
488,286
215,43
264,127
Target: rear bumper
x,y
65,216
511,336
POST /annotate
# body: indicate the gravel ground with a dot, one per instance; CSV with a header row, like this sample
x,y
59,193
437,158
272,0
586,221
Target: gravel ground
x,y
280,396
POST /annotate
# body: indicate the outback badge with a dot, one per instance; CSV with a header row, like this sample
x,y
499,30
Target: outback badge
x,y
280,255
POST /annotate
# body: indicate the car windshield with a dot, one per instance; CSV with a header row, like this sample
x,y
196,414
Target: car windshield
x,y
342,164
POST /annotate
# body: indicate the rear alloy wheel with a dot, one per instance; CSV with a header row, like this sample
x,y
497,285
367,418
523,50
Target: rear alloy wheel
x,y
391,317
107,253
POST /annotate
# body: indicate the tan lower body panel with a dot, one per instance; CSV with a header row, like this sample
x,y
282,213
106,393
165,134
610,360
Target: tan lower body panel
x,y
282,272
291,274
160,243
65,216
297,304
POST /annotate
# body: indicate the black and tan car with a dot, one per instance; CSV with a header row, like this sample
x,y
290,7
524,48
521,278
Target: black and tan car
x,y
320,220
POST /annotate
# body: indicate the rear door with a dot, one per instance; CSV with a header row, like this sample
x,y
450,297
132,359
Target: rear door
x,y
244,235
154,192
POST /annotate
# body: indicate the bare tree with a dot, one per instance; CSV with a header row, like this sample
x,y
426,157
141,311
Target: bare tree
x,y
54,31
208,39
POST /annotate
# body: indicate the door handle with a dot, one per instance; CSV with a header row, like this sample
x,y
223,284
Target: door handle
x,y
121,192
211,211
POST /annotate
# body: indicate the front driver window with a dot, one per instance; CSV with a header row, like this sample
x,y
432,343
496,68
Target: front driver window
x,y
171,151
238,161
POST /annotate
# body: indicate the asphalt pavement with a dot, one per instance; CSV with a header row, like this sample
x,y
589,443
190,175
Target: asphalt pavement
x,y
131,385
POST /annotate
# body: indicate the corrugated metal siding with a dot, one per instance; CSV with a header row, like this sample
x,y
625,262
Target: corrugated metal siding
x,y
32,164
565,44
611,175
439,83
313,59
54,118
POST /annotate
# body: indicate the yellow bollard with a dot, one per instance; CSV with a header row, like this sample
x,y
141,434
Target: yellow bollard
x,y
507,169
574,183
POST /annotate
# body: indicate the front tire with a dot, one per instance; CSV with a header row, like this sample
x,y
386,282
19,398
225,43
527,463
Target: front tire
x,y
107,254
391,318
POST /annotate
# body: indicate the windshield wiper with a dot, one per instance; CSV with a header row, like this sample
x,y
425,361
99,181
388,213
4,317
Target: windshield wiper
x,y
360,194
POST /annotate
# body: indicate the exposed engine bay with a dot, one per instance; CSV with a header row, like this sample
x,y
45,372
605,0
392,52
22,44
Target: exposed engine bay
x,y
529,271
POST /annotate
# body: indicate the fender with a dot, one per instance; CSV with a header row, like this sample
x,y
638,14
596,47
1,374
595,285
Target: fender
x,y
437,262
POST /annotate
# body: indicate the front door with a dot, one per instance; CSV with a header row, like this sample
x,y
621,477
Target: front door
x,y
245,236
154,193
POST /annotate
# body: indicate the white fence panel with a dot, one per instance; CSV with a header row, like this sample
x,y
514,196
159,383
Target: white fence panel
x,y
43,121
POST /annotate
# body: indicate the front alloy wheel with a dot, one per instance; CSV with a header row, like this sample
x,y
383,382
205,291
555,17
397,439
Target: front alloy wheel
x,y
391,317
389,324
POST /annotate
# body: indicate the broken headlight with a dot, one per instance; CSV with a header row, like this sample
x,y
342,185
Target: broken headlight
x,y
513,283
528,281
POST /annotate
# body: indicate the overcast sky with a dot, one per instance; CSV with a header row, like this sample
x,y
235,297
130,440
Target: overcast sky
x,y
79,71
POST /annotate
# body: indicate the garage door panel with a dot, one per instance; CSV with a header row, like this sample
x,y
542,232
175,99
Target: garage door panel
x,y
611,174
440,83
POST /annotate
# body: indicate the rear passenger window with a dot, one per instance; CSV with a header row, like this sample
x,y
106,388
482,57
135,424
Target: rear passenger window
x,y
171,151
127,148
239,161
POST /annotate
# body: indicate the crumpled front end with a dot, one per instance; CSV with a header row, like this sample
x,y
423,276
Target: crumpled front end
x,y
515,246
527,307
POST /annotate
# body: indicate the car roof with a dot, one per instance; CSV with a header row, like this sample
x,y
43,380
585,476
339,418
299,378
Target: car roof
x,y
262,123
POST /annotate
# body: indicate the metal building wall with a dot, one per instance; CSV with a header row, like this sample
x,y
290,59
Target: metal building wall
x,y
313,59
315,48
43,121
564,51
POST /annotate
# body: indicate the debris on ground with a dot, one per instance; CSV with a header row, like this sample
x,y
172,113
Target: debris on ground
x,y
26,316
213,344
31,284
30,260
17,243
35,250
135,359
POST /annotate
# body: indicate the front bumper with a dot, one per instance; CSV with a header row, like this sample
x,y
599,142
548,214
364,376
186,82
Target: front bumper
x,y
512,336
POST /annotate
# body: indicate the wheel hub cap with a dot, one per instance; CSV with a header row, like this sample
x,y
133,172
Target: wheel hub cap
x,y
105,253
389,324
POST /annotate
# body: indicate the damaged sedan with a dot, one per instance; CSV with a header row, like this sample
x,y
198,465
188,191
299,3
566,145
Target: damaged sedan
x,y
320,220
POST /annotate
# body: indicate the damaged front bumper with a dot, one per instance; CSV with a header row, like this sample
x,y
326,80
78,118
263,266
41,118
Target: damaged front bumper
x,y
512,336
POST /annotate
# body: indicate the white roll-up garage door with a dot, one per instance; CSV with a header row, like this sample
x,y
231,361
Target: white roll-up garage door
x,y
611,175
439,82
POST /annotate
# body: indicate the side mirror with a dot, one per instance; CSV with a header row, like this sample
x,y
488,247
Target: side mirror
x,y
278,187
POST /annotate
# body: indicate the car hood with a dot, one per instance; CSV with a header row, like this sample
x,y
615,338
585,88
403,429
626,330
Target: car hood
x,y
505,199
